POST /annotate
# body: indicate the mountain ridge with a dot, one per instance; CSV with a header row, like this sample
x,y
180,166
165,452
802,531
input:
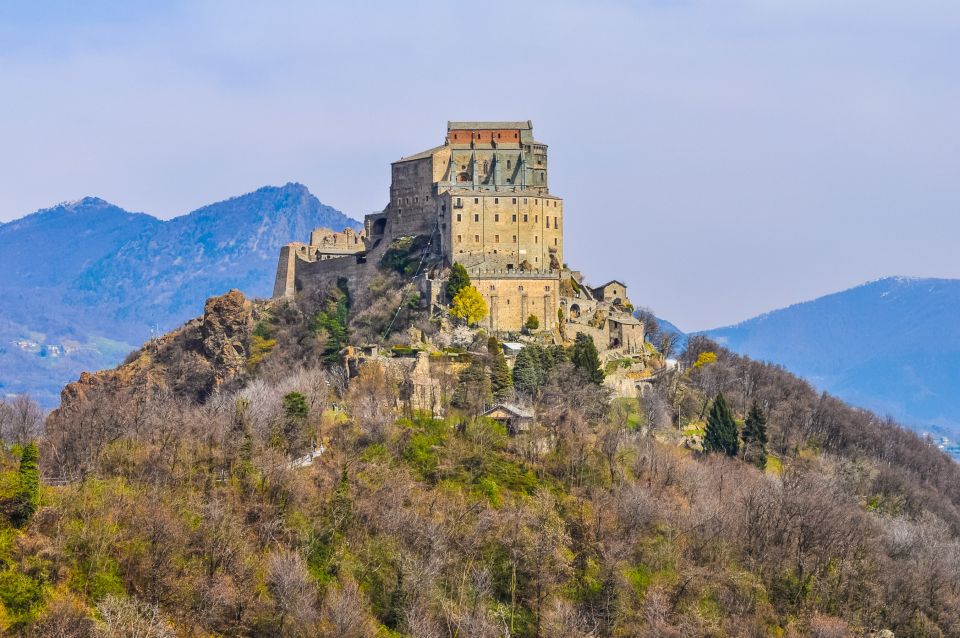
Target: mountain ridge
x,y
890,344
87,281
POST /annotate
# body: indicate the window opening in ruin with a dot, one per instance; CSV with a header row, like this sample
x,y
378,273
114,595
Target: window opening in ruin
x,y
509,266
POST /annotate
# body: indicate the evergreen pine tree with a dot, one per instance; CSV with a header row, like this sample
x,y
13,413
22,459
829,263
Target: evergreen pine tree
x,y
526,371
459,279
500,378
721,433
755,436
26,498
586,358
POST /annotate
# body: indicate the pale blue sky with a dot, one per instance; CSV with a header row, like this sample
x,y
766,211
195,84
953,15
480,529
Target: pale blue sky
x,y
722,157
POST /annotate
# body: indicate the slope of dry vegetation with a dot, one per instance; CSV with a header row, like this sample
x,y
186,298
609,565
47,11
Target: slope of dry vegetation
x,y
188,518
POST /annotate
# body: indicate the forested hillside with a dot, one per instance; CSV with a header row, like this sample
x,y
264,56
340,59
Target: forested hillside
x,y
190,509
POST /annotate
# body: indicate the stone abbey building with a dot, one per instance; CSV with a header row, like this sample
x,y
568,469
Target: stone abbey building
x,y
483,199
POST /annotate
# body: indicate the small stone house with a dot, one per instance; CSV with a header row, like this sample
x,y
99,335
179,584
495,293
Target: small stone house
x,y
613,291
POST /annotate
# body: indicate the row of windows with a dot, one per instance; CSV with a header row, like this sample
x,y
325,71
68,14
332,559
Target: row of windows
x,y
496,239
520,288
526,218
496,200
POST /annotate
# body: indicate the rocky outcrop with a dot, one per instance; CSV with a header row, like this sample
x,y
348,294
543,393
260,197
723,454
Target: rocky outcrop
x,y
191,361
225,329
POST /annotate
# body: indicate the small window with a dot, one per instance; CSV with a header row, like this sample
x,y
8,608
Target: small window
x,y
508,163
459,217
536,239
525,217
547,219
476,217
476,239
496,239
496,200
514,200
546,288
524,200
556,224
459,238
514,239
443,208
536,219
492,287
554,241
521,288
496,217
486,166
476,200
514,217
459,203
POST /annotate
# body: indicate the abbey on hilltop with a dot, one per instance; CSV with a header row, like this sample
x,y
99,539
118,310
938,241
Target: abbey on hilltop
x,y
480,199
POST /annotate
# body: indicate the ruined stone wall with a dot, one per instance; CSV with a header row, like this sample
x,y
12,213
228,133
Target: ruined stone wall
x,y
414,206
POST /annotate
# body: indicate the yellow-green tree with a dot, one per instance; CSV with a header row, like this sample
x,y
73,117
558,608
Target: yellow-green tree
x,y
469,305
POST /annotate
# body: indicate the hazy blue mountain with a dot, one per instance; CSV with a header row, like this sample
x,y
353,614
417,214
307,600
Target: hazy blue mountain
x,y
85,282
891,345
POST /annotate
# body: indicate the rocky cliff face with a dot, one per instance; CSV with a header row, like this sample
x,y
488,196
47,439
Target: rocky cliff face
x,y
191,361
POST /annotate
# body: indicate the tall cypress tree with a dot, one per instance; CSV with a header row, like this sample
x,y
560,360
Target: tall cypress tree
x,y
721,433
526,371
586,358
459,279
26,499
755,436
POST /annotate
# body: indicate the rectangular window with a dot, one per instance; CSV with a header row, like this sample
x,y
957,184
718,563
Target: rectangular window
x,y
536,219
476,200
554,241
496,217
476,239
496,238
459,217
556,224
459,203
524,217
459,238
496,200
524,200
547,219
514,200
514,239
476,217
514,217
536,239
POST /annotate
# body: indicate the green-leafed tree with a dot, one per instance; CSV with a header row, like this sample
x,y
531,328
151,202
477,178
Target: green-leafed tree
x,y
459,279
585,358
469,306
26,498
721,432
755,436
532,324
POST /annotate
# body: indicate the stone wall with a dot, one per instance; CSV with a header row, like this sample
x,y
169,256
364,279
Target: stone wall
x,y
511,299
503,229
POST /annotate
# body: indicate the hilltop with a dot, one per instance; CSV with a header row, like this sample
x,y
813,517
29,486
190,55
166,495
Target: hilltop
x,y
86,282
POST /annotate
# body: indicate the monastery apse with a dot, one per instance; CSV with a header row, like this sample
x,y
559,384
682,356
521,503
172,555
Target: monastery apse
x,y
481,199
